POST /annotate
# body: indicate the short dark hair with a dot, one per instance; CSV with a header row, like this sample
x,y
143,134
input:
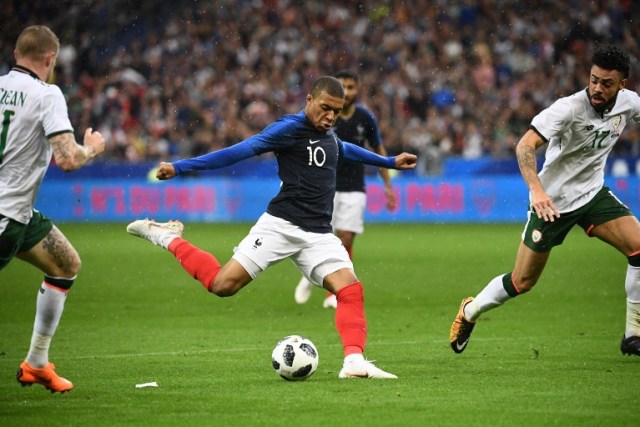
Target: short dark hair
x,y
328,84
346,74
610,57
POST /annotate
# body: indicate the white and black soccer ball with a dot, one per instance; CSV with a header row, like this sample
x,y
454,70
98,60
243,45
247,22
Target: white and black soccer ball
x,y
295,358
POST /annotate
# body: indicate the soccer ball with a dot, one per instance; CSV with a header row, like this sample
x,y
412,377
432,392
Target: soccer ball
x,y
295,358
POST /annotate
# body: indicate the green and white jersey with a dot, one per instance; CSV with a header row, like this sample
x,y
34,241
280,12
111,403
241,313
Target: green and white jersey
x,y
31,111
580,139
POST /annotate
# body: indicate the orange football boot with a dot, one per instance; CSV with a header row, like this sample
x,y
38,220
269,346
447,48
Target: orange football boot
x,y
46,376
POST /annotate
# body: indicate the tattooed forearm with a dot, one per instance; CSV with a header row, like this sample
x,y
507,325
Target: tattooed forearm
x,y
69,155
526,155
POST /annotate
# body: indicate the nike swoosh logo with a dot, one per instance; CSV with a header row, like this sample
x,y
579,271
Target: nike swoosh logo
x,y
461,346
313,142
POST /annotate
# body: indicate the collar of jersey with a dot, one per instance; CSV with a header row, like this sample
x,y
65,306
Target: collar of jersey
x,y
25,70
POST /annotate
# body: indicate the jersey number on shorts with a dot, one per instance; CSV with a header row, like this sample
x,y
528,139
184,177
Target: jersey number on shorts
x,y
6,119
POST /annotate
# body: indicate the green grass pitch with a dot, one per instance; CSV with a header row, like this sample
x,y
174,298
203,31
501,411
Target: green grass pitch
x,y
550,357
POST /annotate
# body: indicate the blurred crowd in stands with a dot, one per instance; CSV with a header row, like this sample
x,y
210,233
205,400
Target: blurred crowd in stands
x,y
166,80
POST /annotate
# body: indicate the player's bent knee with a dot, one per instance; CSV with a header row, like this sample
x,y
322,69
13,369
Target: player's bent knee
x,y
70,268
224,287
516,285
75,266
526,286
61,259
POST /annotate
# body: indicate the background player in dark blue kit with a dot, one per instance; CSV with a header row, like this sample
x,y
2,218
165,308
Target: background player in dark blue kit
x,y
359,126
297,223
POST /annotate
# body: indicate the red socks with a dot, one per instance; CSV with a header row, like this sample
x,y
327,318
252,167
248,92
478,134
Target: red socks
x,y
351,323
201,265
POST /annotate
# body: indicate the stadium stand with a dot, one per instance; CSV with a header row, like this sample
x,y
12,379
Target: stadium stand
x,y
461,79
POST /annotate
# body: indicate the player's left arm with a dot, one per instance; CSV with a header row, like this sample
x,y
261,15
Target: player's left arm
x,y
70,155
354,153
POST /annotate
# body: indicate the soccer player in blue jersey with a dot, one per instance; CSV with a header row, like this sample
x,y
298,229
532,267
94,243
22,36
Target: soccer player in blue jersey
x,y
359,126
580,131
297,223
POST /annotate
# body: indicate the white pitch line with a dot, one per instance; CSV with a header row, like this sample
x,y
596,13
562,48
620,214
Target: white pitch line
x,y
194,352
427,342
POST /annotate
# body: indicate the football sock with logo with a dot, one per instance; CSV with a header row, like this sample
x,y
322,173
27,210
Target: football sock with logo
x,y
201,265
632,287
49,307
493,295
351,323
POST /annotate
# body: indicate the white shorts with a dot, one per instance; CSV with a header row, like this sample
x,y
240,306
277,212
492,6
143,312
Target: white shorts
x,y
348,211
273,239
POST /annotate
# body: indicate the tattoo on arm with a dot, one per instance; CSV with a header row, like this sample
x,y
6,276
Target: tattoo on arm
x,y
68,153
527,162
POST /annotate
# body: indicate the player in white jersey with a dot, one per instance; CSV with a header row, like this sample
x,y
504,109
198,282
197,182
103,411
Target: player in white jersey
x,y
580,131
34,127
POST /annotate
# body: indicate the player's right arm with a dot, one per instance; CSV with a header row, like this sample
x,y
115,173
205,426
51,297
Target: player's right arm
x,y
526,154
214,160
267,140
70,155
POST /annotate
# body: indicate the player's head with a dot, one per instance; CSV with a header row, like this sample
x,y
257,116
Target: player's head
x,y
324,103
610,57
38,44
609,72
349,82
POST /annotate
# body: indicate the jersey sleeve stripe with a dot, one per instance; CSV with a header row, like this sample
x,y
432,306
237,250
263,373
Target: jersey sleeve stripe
x,y
51,135
533,128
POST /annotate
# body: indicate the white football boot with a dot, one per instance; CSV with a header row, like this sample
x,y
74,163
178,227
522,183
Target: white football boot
x,y
158,233
363,369
330,301
303,291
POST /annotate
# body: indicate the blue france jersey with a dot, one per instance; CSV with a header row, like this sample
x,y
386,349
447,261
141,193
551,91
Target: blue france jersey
x,y
361,129
307,162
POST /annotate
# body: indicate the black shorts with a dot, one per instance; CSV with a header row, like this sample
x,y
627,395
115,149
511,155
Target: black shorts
x,y
16,237
541,236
